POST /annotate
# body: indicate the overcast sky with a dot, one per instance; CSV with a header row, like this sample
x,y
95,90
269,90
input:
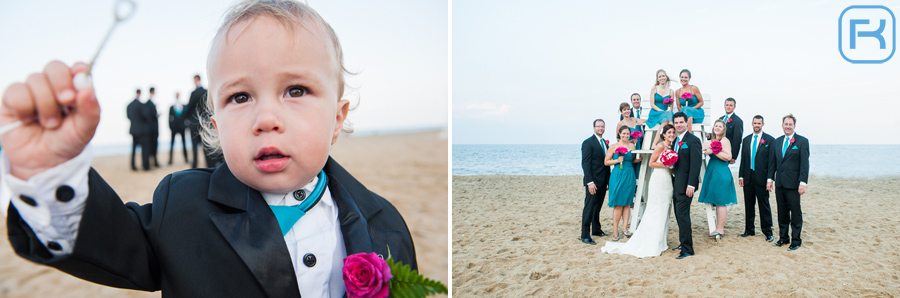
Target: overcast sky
x,y
399,48
538,72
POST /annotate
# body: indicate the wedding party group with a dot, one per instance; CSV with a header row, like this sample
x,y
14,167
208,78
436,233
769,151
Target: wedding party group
x,y
679,151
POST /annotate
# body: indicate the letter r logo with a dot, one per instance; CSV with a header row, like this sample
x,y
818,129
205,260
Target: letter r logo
x,y
867,34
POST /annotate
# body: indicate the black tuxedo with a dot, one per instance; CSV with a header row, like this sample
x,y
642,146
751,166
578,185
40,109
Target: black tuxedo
x,y
592,156
151,134
134,113
755,180
734,131
206,234
196,106
177,124
687,172
789,170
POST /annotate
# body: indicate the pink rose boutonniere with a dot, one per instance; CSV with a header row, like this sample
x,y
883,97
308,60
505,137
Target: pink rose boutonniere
x,y
687,95
762,141
368,275
607,142
716,147
792,141
729,120
621,151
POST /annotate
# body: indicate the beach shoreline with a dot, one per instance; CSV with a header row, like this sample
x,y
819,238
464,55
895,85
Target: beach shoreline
x,y
519,236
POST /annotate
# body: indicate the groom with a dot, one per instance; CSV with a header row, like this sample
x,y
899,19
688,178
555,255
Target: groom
x,y
596,177
687,177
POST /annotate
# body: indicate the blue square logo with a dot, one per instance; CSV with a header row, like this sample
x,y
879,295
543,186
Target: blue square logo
x,y
867,34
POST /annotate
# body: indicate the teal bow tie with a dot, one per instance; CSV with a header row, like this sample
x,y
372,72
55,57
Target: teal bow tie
x,y
287,216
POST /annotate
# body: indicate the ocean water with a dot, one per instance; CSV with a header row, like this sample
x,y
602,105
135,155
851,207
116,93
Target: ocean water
x,y
831,160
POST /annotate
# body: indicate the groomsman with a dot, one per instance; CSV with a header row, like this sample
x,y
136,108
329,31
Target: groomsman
x,y
790,167
754,177
685,181
596,181
734,128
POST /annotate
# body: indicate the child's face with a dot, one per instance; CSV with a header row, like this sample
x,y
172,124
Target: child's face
x,y
276,106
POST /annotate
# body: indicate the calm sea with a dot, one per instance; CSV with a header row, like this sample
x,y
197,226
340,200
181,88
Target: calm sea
x,y
832,160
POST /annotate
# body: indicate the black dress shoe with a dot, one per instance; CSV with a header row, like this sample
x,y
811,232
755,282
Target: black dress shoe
x,y
794,247
745,234
769,238
677,248
779,243
601,234
683,255
589,241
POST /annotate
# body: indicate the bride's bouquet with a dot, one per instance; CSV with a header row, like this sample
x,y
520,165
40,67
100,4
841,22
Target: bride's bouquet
x,y
669,157
716,147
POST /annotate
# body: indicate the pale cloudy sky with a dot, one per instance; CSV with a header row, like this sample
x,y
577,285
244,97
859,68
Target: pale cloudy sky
x,y
538,72
398,47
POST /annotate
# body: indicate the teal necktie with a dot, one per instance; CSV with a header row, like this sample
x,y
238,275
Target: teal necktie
x,y
784,149
753,154
287,216
638,113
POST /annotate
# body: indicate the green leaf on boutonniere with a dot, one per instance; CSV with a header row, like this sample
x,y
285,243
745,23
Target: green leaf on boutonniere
x,y
409,283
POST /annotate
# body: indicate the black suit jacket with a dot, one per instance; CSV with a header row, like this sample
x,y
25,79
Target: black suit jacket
x,y
135,115
195,105
176,122
592,156
764,149
151,118
206,234
734,131
687,168
793,167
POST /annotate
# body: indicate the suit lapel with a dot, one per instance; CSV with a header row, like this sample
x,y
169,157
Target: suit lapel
x,y
253,233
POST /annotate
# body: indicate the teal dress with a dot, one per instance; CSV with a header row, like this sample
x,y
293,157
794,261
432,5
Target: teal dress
x,y
718,185
687,106
658,117
622,183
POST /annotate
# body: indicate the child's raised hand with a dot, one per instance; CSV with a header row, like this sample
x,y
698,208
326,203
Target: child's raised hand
x,y
48,136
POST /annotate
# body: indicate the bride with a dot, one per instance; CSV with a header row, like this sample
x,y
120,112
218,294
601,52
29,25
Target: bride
x,y
650,237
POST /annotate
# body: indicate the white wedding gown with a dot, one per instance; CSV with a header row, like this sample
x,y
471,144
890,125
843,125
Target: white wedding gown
x,y
649,239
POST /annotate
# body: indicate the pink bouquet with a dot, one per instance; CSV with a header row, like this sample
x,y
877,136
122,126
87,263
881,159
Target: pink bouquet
x,y
621,151
716,147
669,157
635,134
668,101
687,95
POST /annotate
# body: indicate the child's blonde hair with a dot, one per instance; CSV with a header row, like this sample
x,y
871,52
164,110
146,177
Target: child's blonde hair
x,y
292,15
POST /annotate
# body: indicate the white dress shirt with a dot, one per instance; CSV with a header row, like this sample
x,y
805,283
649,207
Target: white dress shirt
x,y
318,232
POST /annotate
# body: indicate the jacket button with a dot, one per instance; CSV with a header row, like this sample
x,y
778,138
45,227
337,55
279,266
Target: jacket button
x,y
65,193
309,260
28,200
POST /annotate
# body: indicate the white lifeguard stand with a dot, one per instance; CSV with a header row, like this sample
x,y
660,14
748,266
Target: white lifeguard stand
x,y
640,199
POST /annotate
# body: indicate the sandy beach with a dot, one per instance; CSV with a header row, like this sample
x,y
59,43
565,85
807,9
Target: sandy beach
x,y
516,236
410,170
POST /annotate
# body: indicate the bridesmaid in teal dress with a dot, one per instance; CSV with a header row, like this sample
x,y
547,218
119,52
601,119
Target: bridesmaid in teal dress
x,y
622,181
692,107
660,113
718,184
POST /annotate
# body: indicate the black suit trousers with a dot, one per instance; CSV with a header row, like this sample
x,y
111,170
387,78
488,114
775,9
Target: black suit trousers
x,y
183,145
135,142
683,217
753,195
590,215
789,215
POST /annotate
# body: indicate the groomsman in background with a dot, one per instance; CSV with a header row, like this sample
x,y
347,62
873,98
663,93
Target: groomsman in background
x,y
791,170
640,113
754,177
734,128
596,181
137,127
